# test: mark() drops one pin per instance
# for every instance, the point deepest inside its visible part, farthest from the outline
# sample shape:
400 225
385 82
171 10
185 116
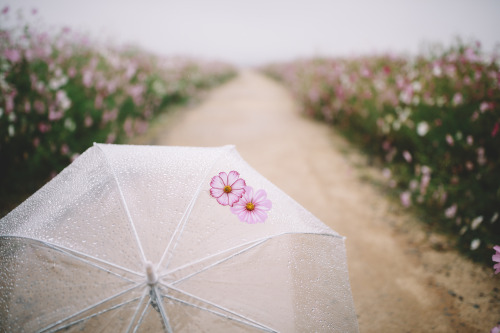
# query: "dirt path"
402 279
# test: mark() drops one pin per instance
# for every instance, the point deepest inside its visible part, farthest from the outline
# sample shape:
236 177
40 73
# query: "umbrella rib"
162 310
210 256
181 222
137 311
221 261
185 216
95 314
124 203
68 252
250 322
259 241
141 318
93 306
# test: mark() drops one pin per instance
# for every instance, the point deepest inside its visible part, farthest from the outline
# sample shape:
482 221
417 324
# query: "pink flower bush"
404 111
60 91
227 188
496 258
252 208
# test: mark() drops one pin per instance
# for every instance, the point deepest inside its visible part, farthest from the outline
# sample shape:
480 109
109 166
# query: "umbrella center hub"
151 275
250 206
227 189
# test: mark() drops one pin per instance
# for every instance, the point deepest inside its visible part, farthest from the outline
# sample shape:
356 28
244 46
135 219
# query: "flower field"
60 92
432 121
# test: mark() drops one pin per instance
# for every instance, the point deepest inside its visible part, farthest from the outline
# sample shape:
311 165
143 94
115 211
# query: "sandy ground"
403 278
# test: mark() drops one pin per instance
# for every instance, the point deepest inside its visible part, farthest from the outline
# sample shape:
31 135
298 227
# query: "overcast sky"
249 32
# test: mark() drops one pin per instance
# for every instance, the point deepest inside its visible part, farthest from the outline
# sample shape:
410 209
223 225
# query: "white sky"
253 32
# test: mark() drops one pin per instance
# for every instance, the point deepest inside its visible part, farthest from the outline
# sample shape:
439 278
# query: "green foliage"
59 94
433 120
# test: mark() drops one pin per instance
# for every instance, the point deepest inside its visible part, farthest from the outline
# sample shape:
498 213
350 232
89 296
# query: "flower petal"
260 195
260 215
251 218
238 209
265 205
238 192
232 198
243 216
217 182
239 184
223 176
248 194
216 192
223 199
232 177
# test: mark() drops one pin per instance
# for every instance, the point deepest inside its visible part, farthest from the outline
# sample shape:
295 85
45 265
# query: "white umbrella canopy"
130 239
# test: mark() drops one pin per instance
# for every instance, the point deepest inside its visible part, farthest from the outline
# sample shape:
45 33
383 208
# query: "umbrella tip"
151 276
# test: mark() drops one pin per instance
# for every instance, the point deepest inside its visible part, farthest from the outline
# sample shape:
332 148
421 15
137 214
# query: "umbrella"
144 239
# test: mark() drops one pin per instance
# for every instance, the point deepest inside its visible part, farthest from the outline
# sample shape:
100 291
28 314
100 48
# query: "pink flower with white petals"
252 208
496 258
495 130
227 188
407 156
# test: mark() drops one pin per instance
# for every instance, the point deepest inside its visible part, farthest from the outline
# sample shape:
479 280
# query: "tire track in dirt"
399 281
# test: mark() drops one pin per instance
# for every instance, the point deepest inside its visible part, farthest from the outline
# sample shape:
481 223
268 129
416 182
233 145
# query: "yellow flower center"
227 189
250 206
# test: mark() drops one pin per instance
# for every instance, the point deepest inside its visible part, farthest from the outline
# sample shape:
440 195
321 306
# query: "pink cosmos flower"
405 198
407 156
451 211
495 130
252 208
12 55
449 139
495 329
496 258
457 99
227 188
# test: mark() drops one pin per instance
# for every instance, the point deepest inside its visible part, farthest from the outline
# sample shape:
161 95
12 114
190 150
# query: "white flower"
396 125
422 128
476 222
63 100
436 70
407 156
451 211
417 86
457 99
475 244
69 124
405 198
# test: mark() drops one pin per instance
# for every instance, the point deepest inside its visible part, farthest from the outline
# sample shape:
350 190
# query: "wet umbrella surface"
131 239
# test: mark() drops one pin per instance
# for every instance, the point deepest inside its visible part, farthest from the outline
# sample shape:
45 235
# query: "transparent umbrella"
135 239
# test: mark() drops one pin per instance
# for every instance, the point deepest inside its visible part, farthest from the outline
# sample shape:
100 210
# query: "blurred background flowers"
60 91
431 121
415 84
